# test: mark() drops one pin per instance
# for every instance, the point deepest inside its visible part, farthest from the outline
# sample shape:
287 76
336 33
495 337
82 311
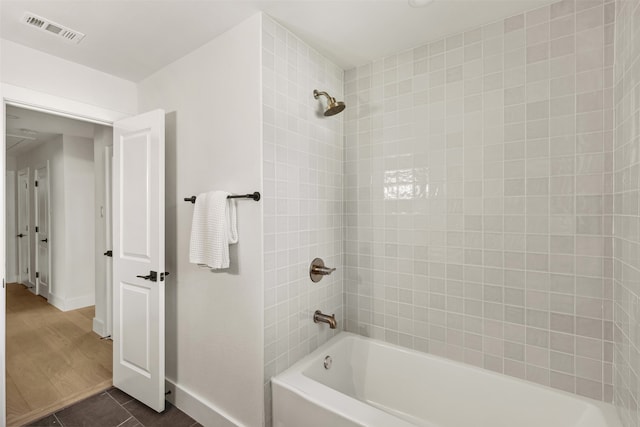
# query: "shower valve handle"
317 270
324 271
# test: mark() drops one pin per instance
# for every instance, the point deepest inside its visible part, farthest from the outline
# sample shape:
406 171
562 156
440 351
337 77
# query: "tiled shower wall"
478 197
303 193
626 225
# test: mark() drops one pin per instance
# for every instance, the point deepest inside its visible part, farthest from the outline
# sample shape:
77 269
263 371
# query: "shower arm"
317 93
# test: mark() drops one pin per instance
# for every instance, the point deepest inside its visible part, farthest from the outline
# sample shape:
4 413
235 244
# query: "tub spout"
318 316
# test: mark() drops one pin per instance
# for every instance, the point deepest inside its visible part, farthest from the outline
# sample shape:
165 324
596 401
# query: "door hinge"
37 275
37 228
36 184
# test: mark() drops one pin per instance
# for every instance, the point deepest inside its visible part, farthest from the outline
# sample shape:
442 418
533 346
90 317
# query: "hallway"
53 357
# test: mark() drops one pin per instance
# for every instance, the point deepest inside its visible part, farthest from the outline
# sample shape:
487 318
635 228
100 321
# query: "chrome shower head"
333 107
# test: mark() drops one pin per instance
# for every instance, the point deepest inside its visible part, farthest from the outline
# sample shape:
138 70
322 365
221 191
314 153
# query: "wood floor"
53 357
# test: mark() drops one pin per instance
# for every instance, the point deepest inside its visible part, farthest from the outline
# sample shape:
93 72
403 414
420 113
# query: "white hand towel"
213 228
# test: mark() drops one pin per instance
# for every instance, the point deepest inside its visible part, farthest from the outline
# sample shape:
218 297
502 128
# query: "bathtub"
375 384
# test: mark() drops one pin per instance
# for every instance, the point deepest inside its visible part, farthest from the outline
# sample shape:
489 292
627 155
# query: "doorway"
56 353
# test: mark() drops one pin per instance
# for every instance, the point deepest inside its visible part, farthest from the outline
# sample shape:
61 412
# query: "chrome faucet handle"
317 270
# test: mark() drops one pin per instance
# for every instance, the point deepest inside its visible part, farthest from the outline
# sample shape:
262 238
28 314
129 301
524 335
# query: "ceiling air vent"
51 27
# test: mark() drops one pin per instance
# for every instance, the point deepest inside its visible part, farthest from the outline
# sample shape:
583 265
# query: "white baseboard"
79 302
71 303
56 302
99 327
197 408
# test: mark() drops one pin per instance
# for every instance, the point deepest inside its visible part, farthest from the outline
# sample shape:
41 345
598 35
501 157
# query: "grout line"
125 409
126 421
121 404
58 419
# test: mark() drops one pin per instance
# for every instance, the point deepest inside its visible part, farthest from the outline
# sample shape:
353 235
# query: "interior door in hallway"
24 239
43 256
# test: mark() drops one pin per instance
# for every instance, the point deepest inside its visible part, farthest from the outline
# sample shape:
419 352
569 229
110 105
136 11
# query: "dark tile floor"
114 408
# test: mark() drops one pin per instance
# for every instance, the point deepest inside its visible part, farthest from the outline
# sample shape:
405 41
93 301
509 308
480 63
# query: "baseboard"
71 303
99 327
197 408
55 301
79 302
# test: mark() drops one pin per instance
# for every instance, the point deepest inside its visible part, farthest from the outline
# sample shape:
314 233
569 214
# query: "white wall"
29 68
79 201
214 321
103 137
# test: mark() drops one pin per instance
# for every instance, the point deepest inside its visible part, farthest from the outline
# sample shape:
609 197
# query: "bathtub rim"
294 376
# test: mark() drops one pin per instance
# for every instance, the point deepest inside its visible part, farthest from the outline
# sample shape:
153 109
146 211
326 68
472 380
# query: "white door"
108 168
138 257
43 255
24 240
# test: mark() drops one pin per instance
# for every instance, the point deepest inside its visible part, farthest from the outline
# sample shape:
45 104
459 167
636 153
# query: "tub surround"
302 189
627 191
478 197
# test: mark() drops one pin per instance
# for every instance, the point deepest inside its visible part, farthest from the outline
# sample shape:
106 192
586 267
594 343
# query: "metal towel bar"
255 196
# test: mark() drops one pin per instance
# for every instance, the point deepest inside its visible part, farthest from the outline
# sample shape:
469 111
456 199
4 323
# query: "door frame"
37 208
24 174
44 102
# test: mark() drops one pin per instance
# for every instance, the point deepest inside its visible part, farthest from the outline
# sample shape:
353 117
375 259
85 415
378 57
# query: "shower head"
333 107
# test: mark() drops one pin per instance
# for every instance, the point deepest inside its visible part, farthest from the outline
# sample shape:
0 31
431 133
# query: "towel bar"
255 196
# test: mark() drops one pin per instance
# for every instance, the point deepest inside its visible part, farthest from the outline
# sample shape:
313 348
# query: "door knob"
21 235
44 240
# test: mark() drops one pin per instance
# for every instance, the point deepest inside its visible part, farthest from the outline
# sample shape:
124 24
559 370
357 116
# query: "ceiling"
132 39
28 129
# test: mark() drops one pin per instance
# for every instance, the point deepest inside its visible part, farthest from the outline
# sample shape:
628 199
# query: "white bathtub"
375 384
